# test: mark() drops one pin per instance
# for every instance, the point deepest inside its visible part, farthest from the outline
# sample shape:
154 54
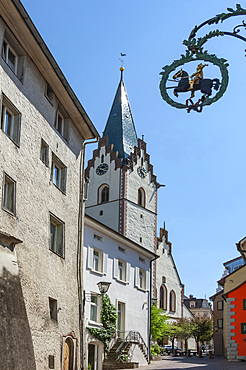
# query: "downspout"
80 250
150 302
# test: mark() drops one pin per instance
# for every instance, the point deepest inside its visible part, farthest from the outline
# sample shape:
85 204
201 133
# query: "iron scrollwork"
195 52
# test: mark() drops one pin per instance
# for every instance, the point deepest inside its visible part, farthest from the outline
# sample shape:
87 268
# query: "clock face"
102 169
142 172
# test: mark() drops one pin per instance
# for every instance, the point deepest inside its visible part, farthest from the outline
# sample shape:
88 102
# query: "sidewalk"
218 363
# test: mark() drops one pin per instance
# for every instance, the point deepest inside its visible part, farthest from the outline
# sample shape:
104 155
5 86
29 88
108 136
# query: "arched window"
103 194
172 301
102 158
163 297
141 197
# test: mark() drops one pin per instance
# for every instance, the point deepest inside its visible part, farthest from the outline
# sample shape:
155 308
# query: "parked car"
168 349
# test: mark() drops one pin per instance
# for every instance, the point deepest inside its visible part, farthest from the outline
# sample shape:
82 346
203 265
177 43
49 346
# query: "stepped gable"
108 149
164 238
137 154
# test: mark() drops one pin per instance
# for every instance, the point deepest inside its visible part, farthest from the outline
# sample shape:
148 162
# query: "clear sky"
200 157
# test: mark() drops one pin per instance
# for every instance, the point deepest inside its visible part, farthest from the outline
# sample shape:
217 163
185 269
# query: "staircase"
121 348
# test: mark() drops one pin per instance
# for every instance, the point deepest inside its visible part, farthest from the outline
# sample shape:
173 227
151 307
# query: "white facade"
170 290
40 174
106 252
123 211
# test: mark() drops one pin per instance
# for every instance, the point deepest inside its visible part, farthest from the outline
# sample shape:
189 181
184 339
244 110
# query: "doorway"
68 355
121 320
93 356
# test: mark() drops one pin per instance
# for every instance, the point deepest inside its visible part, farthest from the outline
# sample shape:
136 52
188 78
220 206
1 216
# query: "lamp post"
103 286
195 52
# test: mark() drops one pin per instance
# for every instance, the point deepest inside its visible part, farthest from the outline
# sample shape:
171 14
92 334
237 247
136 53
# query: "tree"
108 318
172 331
202 329
185 326
158 323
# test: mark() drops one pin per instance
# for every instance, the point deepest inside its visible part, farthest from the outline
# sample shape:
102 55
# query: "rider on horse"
198 75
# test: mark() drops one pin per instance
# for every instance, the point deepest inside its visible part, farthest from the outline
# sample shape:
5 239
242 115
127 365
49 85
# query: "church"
122 204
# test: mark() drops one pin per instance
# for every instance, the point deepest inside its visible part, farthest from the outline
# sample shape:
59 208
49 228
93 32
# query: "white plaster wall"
136 226
165 267
110 209
43 274
136 300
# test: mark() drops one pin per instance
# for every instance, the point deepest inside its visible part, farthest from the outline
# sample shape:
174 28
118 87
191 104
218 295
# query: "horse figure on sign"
197 82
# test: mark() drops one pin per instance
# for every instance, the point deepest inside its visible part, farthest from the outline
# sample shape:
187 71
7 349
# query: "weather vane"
122 59
196 82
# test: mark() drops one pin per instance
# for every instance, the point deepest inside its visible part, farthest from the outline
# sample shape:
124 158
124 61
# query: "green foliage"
155 350
108 318
158 320
202 329
89 367
123 357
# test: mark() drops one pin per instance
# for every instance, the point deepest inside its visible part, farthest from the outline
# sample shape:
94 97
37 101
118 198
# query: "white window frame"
59 168
13 120
95 305
141 278
102 260
125 270
7 182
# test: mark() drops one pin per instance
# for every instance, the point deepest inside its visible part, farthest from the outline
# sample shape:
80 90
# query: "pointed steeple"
120 127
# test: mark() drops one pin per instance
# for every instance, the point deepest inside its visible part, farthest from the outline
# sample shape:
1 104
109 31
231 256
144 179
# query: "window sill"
142 289
97 272
63 192
122 281
59 255
9 212
13 141
95 323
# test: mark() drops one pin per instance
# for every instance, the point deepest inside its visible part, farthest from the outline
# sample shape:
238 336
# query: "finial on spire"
122 62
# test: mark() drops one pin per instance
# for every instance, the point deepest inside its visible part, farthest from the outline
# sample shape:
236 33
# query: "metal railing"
132 337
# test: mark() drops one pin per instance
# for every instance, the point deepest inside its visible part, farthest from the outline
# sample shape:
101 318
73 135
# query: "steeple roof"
120 127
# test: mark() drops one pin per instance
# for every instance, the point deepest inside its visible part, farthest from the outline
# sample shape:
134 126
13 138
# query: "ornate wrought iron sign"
195 52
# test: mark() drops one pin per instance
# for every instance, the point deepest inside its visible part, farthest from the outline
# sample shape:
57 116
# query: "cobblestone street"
218 363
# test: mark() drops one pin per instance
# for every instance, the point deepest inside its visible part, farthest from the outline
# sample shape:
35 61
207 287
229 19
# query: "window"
53 308
192 304
163 279
49 93
122 270
44 152
220 305
9 186
141 259
95 311
10 56
220 323
172 302
121 249
163 297
56 236
97 260
141 197
51 362
10 120
105 194
59 125
101 213
142 279
59 173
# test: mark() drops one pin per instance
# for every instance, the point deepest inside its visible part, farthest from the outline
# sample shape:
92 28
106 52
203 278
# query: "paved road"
218 363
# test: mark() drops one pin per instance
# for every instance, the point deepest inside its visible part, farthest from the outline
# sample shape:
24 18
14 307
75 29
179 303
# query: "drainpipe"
80 251
150 302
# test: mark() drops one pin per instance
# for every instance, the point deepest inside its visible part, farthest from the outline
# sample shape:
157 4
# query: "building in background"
43 127
198 306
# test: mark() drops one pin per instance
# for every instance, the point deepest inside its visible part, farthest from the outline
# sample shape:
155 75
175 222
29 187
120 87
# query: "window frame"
61 169
220 323
222 305
95 307
172 301
6 47
44 152
122 270
15 122
54 240
53 309
141 197
163 297
60 130
4 197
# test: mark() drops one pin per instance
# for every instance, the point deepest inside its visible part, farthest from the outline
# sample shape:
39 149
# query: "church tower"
122 193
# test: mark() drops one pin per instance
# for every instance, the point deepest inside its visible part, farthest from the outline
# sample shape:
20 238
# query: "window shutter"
60 240
116 274
105 263
137 277
147 280
128 270
90 257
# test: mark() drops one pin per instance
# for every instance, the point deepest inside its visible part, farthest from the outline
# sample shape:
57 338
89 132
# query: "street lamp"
103 286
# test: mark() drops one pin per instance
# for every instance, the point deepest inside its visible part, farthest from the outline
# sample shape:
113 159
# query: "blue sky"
199 157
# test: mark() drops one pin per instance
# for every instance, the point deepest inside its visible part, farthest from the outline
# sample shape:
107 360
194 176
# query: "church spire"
120 127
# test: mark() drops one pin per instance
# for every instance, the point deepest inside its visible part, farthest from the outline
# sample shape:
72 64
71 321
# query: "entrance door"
121 320
68 355
93 356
